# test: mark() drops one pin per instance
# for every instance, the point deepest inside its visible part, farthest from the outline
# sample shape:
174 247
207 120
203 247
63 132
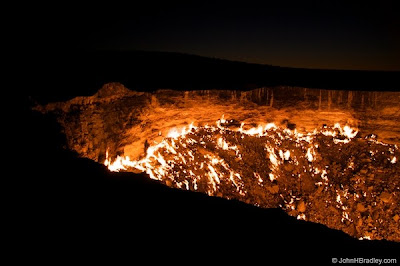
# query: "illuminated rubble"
324 176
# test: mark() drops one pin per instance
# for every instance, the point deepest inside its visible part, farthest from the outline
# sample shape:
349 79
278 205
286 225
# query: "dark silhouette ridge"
64 76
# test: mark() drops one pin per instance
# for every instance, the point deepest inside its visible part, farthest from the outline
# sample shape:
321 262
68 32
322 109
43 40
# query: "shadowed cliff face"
345 178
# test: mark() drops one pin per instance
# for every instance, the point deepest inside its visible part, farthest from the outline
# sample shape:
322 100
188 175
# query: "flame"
366 237
259 179
348 132
176 133
271 177
309 155
301 216
286 155
272 156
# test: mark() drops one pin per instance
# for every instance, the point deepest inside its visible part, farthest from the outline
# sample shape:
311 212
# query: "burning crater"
313 153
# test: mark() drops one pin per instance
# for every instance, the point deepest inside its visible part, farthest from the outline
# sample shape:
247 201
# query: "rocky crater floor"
329 157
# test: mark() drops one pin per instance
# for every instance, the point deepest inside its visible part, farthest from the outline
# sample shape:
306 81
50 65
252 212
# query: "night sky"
306 34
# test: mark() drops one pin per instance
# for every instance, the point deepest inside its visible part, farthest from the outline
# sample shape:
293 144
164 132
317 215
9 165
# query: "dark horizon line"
234 61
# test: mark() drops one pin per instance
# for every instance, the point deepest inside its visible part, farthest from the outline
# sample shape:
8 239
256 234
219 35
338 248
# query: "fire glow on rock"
334 175
315 176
